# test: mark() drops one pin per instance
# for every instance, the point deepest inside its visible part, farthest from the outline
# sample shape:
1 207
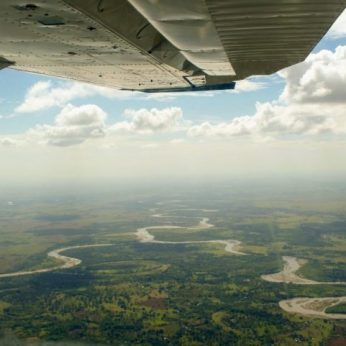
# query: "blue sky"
251 127
225 105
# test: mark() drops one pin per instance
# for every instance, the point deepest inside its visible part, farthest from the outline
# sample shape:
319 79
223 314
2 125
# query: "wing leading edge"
161 45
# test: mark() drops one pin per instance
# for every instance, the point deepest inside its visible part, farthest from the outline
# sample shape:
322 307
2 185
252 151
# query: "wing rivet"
31 7
27 7
99 6
51 21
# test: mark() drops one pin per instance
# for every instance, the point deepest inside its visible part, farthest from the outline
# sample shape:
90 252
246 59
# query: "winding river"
313 307
144 236
288 274
68 262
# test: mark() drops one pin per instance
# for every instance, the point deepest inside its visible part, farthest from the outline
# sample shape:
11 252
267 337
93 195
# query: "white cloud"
247 85
320 78
277 120
148 121
338 29
45 94
42 95
73 125
8 142
312 103
87 115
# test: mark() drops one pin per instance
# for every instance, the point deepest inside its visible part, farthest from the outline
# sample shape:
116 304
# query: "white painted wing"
161 45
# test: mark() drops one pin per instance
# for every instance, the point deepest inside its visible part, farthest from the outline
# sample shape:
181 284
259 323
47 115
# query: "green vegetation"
3 307
136 293
337 309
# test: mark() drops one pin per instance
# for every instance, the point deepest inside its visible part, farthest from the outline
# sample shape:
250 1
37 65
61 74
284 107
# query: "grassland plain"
135 293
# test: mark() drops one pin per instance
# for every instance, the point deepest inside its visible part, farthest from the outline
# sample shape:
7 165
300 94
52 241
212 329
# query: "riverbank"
288 274
313 307
68 262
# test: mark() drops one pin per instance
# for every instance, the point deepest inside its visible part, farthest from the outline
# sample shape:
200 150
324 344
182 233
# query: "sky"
288 124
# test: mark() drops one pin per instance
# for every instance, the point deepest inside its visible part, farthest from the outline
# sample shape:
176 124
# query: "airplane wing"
161 45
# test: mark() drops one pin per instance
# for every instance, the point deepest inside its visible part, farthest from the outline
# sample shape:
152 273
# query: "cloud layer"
148 121
321 78
45 94
313 103
73 125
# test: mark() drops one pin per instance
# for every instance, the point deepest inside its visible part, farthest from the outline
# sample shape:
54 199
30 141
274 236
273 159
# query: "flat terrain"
192 265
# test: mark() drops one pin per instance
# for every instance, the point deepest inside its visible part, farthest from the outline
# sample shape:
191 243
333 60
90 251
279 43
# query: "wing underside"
161 45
